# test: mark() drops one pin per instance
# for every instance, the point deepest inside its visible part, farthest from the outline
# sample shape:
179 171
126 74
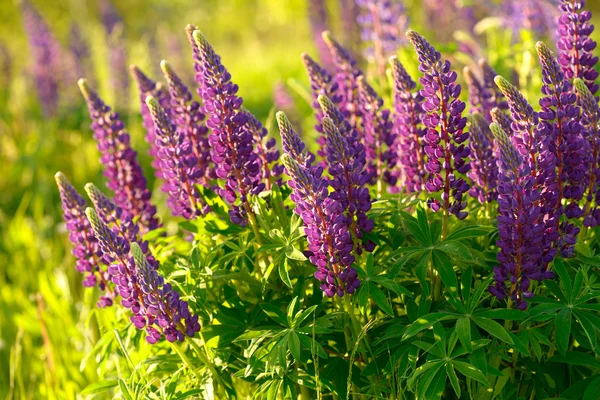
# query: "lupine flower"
321 83
85 245
114 26
159 311
502 119
317 15
382 22
524 122
483 173
148 87
479 97
291 143
265 149
497 97
189 118
563 155
378 138
590 122
521 229
445 147
46 65
284 101
346 73
178 164
121 167
231 142
538 16
408 130
575 44
325 228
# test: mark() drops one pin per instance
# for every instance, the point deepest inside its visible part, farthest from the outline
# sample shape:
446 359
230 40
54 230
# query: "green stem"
186 361
207 360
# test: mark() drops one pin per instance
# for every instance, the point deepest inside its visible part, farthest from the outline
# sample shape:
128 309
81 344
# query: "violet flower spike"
378 138
179 165
165 310
409 132
325 228
85 245
445 140
318 17
575 44
291 143
497 97
521 230
502 119
187 115
590 122
483 172
480 98
121 167
232 144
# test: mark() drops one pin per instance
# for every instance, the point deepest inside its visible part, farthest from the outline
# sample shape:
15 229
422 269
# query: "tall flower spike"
590 122
148 87
346 73
317 15
408 130
382 22
575 44
321 83
81 235
497 97
502 119
232 143
179 165
188 117
378 138
325 228
348 182
479 97
521 230
445 139
563 153
291 143
164 308
483 173
524 122
121 167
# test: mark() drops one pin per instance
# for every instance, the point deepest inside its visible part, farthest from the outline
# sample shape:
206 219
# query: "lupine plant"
421 242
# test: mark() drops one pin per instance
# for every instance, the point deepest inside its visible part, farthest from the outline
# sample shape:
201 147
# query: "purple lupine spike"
325 228
291 142
232 144
148 87
317 15
46 58
85 245
265 148
524 122
502 119
284 101
590 122
445 139
118 220
346 72
382 23
378 136
521 229
483 173
121 167
114 26
348 182
480 97
189 118
164 307
538 16
408 129
489 74
321 83
178 164
563 153
349 11
575 44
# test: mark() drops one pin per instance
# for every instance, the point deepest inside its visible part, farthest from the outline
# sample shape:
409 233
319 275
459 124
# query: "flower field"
300 199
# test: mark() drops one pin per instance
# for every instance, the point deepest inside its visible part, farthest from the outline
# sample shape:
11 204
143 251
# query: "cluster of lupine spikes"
547 173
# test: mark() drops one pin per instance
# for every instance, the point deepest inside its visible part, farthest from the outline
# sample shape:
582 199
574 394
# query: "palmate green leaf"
562 326
284 273
470 371
426 322
294 345
312 345
455 248
469 232
379 297
592 391
275 313
434 389
453 379
432 366
465 284
493 328
444 267
577 358
478 294
508 314
585 320
417 233
463 329
294 254
565 279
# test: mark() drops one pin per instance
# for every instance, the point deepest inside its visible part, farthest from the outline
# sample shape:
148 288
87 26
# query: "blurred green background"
48 323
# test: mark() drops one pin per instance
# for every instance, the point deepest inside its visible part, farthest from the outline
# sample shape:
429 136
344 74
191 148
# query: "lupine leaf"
562 325
493 328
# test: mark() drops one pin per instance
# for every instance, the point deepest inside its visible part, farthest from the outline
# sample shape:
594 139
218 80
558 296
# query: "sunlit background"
48 324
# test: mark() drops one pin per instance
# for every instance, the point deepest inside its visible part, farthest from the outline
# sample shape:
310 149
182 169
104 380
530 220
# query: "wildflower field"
299 199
